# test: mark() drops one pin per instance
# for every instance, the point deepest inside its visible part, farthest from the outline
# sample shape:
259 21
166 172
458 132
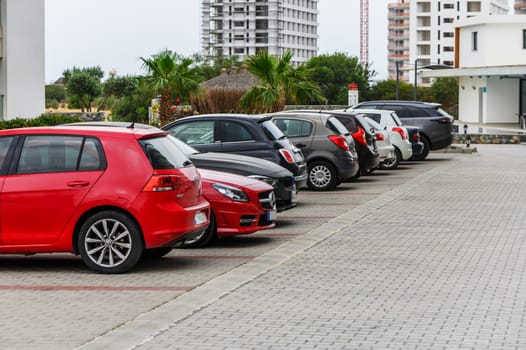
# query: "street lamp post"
415 84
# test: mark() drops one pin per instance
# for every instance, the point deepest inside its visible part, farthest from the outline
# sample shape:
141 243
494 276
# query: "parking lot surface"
428 256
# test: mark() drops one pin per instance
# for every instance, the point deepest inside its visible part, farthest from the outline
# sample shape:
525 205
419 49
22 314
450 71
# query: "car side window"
235 132
5 144
415 112
55 153
195 133
400 110
294 128
376 117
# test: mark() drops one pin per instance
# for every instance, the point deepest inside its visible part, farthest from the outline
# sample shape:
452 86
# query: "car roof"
90 130
258 118
402 102
371 110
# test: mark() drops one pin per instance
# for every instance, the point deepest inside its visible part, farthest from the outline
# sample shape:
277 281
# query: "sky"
114 34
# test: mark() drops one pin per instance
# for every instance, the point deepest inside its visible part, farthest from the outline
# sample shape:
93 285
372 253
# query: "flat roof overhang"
498 72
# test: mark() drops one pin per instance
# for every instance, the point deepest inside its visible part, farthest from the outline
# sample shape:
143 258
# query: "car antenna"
132 125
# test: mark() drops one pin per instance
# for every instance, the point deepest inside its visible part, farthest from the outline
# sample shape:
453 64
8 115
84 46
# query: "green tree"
207 69
386 90
83 85
172 76
335 72
445 92
118 87
279 83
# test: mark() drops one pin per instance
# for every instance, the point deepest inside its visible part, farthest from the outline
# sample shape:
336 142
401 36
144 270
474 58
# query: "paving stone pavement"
438 262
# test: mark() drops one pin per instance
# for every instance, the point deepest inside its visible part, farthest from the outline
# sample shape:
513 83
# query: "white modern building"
491 66
244 27
22 65
422 32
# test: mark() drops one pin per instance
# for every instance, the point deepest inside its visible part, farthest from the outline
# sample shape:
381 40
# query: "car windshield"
335 125
272 131
163 154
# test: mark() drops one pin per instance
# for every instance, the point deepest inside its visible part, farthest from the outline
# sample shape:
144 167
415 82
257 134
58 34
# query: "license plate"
293 196
271 215
200 218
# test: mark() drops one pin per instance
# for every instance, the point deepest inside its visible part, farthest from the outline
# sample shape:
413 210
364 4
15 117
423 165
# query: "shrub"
43 120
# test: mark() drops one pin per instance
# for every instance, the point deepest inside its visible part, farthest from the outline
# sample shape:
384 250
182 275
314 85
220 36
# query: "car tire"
425 151
391 164
204 238
156 253
322 176
110 242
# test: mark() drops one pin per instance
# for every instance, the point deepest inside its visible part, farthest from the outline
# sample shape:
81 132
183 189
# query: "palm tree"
279 83
172 76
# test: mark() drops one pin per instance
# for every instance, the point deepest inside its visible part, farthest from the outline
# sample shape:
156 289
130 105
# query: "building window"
449 6
448 20
524 38
474 41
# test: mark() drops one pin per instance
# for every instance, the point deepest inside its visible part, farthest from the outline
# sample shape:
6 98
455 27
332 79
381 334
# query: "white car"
398 133
385 148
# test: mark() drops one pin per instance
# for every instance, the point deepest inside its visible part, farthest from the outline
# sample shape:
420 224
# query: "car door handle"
77 184
301 145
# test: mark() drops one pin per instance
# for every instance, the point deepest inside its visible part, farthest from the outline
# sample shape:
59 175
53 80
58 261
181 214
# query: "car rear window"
335 125
163 153
272 131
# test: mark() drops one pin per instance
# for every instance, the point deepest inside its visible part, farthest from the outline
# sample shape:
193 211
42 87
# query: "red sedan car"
239 205
71 189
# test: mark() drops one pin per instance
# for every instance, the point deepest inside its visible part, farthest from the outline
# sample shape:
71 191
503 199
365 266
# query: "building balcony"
398 57
398 25
399 5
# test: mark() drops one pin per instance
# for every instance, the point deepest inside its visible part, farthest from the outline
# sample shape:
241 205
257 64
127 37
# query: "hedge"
43 120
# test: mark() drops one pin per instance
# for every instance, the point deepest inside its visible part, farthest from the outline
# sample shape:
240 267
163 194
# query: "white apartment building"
491 71
22 62
244 27
422 32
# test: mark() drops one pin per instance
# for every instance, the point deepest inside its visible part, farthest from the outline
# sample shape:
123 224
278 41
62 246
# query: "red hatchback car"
239 205
108 194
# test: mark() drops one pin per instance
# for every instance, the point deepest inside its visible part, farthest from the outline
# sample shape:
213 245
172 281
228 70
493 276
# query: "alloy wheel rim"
320 176
108 243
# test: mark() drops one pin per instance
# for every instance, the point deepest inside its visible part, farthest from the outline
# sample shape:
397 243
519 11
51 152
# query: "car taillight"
165 182
401 132
340 142
379 136
360 136
443 120
286 155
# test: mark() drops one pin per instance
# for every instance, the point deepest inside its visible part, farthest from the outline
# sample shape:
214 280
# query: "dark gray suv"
326 143
436 126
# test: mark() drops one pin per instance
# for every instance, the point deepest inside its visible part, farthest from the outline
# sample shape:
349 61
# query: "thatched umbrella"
222 93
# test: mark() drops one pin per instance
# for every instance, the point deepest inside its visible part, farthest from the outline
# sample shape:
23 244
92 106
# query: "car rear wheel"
425 151
390 164
322 176
110 242
203 238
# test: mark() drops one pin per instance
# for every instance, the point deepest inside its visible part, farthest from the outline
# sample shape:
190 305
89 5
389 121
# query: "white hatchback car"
383 143
398 133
